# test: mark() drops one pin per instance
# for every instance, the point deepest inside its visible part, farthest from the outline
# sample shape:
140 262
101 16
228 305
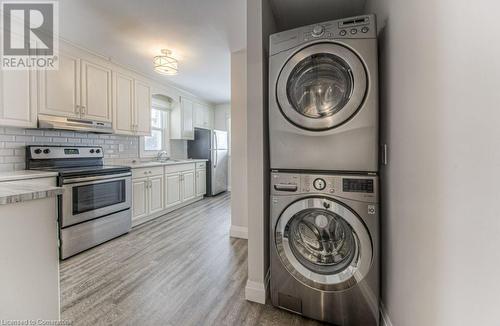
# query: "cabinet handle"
82 109
77 109
145 172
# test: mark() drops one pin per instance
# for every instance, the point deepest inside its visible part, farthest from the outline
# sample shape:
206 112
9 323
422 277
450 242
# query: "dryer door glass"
323 244
321 240
320 85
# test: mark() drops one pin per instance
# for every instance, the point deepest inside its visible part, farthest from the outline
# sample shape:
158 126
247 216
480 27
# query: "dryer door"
321 86
323 244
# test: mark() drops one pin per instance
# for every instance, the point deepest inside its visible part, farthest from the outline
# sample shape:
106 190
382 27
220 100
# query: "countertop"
20 191
138 164
25 175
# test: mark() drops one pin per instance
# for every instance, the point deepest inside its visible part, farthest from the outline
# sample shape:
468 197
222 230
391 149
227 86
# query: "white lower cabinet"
147 193
201 179
158 190
173 189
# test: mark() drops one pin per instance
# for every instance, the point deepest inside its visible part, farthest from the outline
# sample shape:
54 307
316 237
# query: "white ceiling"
294 13
201 34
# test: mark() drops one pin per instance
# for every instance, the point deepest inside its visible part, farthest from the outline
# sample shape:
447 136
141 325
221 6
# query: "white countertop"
146 164
19 191
25 175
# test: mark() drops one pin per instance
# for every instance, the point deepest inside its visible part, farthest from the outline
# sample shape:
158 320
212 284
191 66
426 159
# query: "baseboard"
384 317
256 291
240 232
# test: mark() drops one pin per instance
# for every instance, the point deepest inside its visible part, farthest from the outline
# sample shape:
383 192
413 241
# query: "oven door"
87 198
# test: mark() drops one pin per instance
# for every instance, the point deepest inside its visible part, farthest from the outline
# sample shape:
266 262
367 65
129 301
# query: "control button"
354 31
332 190
308 189
91 151
97 151
318 31
319 184
46 151
343 32
38 151
365 29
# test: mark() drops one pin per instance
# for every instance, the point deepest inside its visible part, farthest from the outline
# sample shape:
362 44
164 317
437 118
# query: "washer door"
321 86
323 244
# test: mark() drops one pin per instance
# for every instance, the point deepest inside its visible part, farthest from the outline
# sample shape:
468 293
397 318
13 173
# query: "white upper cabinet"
96 92
18 98
181 120
203 116
142 108
59 90
123 104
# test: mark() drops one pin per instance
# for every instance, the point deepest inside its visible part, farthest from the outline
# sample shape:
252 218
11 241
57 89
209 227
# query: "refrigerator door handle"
216 161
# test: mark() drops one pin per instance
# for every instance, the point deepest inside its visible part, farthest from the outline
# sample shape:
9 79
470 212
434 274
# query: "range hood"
75 124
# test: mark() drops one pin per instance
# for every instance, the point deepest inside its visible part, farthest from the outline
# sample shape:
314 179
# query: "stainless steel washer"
323 97
324 246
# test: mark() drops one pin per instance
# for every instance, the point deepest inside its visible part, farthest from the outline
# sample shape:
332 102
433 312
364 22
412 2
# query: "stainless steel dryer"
324 246
323 96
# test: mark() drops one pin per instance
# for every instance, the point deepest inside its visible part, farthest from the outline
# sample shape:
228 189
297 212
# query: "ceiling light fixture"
165 64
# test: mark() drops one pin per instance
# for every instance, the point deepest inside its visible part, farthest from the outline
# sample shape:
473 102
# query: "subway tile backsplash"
14 140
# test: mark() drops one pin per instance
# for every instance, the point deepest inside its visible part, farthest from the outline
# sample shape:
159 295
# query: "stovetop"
87 170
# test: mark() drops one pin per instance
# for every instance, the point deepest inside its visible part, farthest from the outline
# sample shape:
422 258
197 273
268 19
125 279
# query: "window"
160 138
156 142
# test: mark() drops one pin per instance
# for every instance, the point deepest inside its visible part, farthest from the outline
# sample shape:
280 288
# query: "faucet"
162 156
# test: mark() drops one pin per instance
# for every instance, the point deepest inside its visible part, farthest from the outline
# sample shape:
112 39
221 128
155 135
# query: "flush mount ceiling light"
165 64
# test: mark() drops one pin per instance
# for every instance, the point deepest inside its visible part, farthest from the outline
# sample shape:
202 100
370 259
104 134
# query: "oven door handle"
96 178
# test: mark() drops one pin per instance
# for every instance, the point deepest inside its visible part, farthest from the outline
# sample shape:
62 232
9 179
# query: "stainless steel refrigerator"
212 145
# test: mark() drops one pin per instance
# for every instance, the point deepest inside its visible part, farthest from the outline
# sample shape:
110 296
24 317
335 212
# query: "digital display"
357 185
71 151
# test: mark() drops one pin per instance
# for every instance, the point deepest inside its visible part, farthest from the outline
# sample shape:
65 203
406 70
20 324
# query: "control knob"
319 184
38 151
97 151
91 151
46 151
318 30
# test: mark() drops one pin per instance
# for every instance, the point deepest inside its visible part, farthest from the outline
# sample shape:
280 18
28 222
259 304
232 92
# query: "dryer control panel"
350 186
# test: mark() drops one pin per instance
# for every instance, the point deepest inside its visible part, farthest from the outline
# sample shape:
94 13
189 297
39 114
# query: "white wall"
222 113
239 206
260 24
440 95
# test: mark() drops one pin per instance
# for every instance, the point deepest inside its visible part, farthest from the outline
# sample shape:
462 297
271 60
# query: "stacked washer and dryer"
323 132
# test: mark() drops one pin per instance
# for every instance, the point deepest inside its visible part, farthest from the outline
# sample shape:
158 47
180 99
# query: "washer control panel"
349 186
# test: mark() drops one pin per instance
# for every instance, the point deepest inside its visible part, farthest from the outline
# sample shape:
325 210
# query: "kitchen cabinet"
96 92
188 185
123 104
142 94
18 98
181 120
59 90
173 189
79 88
203 116
147 192
201 179
131 105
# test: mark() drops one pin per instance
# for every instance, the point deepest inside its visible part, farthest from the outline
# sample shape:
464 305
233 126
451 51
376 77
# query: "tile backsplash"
14 140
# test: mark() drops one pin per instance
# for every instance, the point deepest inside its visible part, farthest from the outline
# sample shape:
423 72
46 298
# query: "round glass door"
321 86
323 244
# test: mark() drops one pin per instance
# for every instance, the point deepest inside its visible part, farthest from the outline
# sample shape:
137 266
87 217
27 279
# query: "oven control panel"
64 152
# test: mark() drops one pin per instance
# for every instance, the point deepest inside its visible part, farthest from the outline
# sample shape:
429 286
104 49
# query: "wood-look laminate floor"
179 269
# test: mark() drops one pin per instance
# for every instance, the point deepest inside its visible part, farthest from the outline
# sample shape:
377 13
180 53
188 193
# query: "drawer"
147 172
179 167
201 165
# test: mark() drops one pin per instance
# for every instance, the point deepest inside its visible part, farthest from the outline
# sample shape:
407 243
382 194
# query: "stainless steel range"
95 206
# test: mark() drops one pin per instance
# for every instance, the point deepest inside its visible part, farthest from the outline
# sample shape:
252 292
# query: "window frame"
143 152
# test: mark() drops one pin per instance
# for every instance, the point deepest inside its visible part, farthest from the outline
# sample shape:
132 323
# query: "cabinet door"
139 198
198 115
96 92
188 185
155 194
187 119
18 98
59 90
142 108
123 104
201 182
172 189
